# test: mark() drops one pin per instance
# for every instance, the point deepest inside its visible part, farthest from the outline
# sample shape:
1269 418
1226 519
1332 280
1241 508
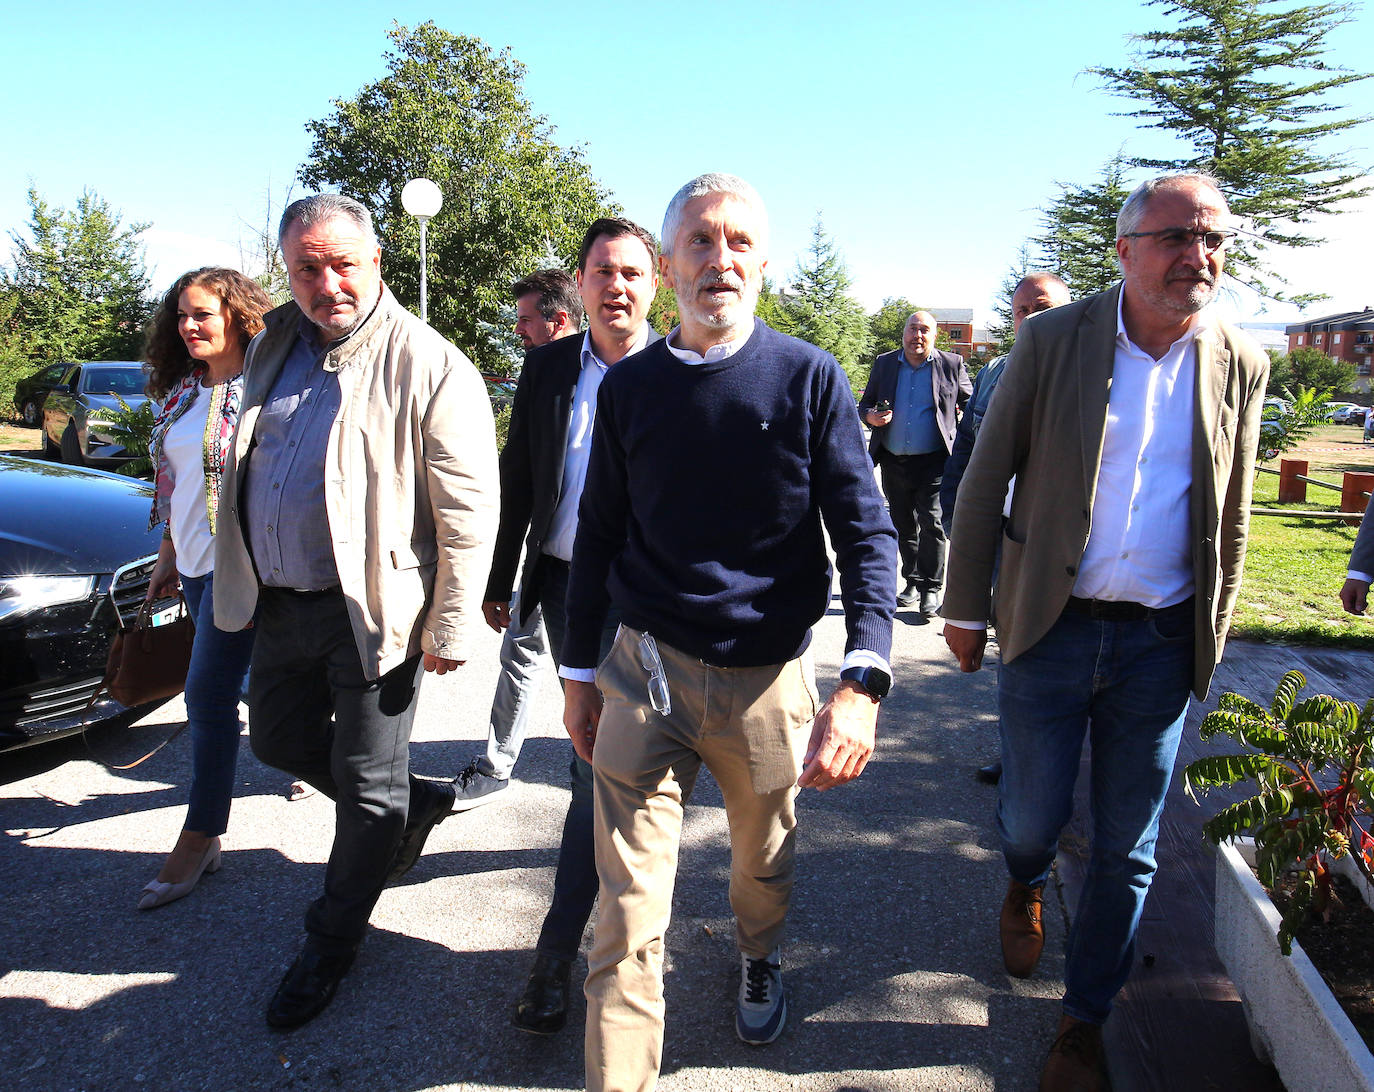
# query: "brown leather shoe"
1075 1063
1023 931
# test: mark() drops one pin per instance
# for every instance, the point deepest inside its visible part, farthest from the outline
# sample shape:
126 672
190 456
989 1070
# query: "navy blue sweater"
701 517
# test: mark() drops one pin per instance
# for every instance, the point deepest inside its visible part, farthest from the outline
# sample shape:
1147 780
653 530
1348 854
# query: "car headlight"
21 595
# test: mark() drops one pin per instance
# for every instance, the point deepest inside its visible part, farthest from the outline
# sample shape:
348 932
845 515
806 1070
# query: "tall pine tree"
1245 86
818 307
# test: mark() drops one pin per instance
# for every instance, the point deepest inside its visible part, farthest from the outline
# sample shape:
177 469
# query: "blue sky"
928 136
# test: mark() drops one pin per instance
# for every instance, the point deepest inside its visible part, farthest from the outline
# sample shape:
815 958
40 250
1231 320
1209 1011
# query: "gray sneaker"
474 788
762 1008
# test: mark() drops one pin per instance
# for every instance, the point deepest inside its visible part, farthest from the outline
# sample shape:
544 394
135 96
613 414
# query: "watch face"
877 682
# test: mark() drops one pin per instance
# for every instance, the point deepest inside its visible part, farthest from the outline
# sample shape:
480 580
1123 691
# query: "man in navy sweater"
718 455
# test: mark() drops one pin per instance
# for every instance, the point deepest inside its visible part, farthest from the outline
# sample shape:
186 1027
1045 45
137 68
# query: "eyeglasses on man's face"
1178 238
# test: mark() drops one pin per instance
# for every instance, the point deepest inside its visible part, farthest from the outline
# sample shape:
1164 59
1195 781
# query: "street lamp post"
422 199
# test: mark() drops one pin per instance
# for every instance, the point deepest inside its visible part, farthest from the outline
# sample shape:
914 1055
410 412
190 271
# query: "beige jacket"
413 493
1046 425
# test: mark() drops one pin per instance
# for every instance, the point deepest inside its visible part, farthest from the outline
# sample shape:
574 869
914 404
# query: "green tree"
1309 367
453 110
1002 330
770 308
1077 236
819 308
78 281
1244 85
886 324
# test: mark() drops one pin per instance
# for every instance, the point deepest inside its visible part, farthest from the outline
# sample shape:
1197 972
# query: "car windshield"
113 380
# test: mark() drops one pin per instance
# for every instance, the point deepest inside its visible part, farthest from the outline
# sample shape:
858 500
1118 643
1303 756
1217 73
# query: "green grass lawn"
1294 568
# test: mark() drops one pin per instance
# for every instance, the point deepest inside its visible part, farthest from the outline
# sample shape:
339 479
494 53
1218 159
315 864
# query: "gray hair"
1133 211
320 209
700 186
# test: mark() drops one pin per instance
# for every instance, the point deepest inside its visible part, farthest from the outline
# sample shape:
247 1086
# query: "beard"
720 312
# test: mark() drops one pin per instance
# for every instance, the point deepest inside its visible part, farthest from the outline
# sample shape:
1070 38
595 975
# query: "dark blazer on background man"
949 379
532 464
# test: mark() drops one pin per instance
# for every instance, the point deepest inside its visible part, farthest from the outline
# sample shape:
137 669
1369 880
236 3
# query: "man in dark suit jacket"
1355 592
543 468
910 403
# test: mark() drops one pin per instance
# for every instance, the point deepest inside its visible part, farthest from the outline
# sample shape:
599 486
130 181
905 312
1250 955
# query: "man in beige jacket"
1130 420
359 506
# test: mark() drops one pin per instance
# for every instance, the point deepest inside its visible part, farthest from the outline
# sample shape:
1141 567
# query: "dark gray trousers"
912 486
314 714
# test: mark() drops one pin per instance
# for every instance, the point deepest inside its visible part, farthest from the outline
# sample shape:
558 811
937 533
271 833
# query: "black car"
32 391
76 412
76 555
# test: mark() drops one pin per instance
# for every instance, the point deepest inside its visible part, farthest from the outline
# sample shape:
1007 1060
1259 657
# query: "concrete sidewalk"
891 959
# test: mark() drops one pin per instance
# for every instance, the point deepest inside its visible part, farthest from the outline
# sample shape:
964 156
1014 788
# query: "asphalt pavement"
891 958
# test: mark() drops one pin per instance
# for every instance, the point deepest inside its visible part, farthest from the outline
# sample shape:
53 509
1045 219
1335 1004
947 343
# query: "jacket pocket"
412 555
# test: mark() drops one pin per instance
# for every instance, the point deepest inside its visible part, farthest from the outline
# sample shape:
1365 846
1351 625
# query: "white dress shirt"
1139 547
563 526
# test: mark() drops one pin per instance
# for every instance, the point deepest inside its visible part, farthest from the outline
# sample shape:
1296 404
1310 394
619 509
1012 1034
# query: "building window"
1300 339
1336 339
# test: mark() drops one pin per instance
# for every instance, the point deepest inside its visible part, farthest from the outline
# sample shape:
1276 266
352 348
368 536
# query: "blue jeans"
214 682
1126 685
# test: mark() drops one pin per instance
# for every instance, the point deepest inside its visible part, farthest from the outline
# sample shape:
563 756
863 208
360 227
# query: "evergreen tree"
1077 236
820 309
453 110
1223 81
77 286
1002 330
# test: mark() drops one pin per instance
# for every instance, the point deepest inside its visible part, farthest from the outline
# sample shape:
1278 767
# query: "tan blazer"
1045 426
412 491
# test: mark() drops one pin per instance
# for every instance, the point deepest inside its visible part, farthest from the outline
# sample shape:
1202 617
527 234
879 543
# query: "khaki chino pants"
750 726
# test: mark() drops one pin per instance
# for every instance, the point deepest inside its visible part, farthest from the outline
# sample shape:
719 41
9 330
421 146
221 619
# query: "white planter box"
1294 1021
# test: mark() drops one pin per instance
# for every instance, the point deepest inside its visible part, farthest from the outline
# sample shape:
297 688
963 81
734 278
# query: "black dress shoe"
433 811
308 985
909 595
544 1007
990 774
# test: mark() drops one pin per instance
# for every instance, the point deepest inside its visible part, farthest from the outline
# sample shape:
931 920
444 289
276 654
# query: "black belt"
304 593
1113 610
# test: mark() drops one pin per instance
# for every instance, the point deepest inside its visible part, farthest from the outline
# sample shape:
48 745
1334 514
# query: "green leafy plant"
133 429
1310 763
1282 429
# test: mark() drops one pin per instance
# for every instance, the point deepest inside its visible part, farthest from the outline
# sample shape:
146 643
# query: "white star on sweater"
763 425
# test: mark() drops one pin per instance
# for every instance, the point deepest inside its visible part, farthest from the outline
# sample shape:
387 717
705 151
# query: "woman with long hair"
195 354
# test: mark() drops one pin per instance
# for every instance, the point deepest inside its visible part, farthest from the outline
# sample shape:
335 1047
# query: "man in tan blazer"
1130 420
359 506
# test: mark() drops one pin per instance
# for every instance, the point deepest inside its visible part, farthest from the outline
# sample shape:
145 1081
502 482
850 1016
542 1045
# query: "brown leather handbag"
148 662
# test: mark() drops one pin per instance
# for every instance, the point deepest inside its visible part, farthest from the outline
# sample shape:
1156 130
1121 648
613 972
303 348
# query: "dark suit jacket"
532 464
1046 425
948 377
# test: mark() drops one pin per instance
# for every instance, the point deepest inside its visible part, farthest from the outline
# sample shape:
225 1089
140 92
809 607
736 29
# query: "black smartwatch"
873 681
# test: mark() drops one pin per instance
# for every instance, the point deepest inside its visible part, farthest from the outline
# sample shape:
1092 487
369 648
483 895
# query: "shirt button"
1124 555
1144 459
269 529
276 485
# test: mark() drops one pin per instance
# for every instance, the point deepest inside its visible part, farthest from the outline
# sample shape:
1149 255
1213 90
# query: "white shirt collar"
589 354
1202 323
715 352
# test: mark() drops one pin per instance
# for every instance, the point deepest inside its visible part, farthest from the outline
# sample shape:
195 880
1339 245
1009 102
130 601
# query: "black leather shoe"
438 808
990 774
308 985
544 1007
909 595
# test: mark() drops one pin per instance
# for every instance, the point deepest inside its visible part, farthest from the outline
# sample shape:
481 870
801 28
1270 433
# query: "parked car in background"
501 391
1347 413
75 413
76 554
32 391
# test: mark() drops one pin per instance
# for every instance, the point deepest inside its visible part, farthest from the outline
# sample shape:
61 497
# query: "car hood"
65 519
97 402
